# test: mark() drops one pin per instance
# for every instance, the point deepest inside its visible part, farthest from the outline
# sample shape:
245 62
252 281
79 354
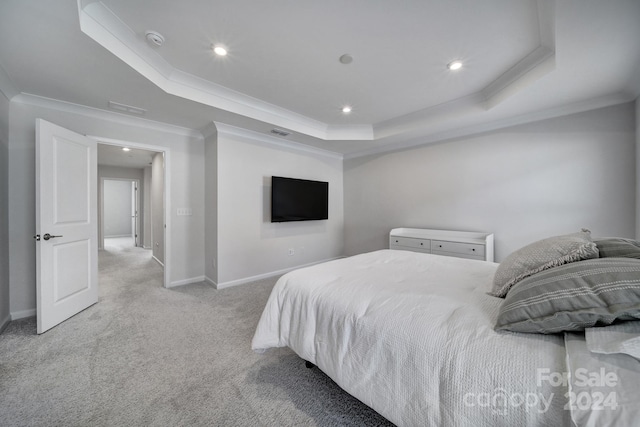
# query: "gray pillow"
541 255
573 297
617 247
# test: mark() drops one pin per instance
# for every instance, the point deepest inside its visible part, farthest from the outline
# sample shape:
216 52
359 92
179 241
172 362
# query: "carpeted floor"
150 356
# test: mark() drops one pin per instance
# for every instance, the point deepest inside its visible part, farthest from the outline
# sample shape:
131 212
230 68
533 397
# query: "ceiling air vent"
127 108
280 132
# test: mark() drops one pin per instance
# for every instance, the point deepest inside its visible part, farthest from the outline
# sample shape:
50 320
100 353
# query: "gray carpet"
145 355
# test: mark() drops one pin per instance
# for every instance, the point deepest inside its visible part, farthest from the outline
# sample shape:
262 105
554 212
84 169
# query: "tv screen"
298 199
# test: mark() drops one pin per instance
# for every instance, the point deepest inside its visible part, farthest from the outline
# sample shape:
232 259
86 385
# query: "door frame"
101 208
166 196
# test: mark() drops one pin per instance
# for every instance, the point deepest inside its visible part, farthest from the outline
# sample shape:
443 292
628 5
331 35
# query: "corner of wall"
211 205
5 308
638 168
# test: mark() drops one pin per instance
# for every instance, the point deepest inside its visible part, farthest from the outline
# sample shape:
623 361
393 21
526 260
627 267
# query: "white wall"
120 172
187 166
4 212
157 206
211 206
146 208
521 183
117 208
638 168
249 245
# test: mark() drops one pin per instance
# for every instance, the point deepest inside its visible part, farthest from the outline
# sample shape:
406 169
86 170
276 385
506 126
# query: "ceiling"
113 155
522 61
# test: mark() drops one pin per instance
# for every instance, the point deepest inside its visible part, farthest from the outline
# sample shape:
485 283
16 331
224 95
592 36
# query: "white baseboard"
15 315
158 261
265 275
146 247
4 323
189 281
118 236
210 281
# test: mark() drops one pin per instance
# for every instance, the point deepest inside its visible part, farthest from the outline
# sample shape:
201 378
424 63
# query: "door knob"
49 236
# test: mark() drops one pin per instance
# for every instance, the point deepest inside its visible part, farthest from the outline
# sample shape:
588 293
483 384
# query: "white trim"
536 116
5 323
197 279
103 26
250 279
532 67
251 136
15 315
159 262
209 130
7 88
210 281
167 195
96 113
118 236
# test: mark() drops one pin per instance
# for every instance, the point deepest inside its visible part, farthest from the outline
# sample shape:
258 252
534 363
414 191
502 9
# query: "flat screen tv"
298 199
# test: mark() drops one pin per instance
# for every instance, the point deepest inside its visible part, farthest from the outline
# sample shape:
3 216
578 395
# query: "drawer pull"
421 243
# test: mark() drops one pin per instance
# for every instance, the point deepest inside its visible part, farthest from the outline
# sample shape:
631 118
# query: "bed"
412 336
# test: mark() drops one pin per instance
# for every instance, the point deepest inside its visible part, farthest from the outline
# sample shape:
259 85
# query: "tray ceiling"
521 61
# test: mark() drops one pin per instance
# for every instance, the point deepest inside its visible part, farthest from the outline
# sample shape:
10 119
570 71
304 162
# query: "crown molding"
209 130
104 27
7 88
96 113
532 67
551 113
255 137
538 63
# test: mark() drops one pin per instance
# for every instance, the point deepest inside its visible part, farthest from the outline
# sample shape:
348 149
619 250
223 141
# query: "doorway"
121 209
133 200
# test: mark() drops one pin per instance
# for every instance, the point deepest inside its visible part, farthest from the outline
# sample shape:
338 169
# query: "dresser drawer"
408 242
470 249
457 255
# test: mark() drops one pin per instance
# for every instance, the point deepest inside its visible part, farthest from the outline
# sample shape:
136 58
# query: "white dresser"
461 244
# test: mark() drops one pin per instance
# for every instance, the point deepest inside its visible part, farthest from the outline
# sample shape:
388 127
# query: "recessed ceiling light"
126 149
454 65
346 59
220 50
346 109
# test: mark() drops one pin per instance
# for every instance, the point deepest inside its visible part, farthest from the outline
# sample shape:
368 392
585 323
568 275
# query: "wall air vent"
127 108
280 132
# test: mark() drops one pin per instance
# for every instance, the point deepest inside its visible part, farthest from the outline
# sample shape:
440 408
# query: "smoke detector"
154 38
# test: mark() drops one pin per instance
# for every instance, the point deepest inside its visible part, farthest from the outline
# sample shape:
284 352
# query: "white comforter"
411 335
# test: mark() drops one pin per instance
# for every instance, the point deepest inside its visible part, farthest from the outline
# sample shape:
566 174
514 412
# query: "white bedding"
411 335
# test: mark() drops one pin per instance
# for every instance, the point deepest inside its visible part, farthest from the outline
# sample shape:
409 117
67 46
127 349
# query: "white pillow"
542 255
619 338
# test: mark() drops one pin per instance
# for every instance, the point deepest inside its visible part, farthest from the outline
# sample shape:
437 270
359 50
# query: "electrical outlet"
291 251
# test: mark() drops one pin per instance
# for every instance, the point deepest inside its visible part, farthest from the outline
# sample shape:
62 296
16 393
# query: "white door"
66 224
